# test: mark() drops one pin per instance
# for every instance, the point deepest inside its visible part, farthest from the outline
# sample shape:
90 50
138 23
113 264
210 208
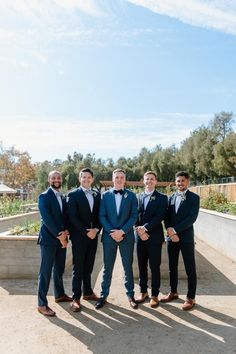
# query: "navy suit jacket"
183 220
80 217
153 215
126 218
53 220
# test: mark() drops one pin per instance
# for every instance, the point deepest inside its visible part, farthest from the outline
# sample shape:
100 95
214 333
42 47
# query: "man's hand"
144 236
63 238
171 233
175 238
91 233
117 235
140 231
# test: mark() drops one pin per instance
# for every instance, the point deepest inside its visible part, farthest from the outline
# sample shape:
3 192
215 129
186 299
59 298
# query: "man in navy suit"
182 213
84 226
152 207
118 214
53 238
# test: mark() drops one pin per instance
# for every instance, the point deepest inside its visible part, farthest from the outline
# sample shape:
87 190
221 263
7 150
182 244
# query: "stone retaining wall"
21 219
20 257
218 230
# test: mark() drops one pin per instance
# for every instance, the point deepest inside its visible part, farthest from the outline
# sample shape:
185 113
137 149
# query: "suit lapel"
55 201
84 199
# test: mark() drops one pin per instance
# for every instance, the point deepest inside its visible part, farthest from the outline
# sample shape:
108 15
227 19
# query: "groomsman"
182 213
84 226
118 214
53 238
152 207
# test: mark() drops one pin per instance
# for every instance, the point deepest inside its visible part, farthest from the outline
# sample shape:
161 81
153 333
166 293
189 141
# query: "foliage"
28 229
218 202
9 206
17 171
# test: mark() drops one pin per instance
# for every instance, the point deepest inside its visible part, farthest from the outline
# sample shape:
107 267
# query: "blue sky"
109 77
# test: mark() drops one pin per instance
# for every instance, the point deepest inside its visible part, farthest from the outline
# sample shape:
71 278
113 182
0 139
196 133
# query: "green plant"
28 229
217 201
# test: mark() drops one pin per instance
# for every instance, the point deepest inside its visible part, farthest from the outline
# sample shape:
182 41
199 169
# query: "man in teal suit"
118 214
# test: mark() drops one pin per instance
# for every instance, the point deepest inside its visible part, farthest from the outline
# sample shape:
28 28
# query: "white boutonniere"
125 195
153 197
67 199
94 193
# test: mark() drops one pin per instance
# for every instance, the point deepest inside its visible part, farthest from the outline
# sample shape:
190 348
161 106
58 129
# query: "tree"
221 125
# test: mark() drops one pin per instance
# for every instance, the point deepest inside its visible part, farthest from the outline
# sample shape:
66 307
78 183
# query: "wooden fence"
228 189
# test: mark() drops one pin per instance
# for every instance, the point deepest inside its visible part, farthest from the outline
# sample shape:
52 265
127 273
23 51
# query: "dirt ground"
118 329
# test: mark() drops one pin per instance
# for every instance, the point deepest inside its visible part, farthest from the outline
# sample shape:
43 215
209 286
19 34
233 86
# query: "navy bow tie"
118 191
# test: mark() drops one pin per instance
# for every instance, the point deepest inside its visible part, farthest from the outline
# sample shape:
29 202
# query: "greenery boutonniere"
153 197
125 195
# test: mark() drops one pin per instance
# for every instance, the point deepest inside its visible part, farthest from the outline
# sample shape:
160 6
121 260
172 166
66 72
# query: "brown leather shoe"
92 297
133 303
154 302
169 297
141 298
75 306
46 311
188 304
64 298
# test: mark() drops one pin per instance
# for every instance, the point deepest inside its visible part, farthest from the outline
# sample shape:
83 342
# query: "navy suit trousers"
147 251
52 259
109 257
187 250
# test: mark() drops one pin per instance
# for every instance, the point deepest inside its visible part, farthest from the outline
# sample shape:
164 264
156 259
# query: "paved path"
117 329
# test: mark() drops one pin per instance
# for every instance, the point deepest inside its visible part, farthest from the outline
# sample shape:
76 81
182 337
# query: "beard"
55 185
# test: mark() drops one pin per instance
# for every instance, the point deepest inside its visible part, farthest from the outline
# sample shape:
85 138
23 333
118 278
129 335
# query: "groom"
118 214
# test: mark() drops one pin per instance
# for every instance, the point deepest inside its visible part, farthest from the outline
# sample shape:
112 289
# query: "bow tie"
145 194
118 191
88 191
180 194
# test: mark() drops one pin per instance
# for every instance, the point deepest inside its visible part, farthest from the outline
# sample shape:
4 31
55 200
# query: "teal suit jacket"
126 218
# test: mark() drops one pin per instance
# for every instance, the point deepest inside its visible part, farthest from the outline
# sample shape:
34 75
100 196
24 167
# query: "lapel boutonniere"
125 195
153 197
94 194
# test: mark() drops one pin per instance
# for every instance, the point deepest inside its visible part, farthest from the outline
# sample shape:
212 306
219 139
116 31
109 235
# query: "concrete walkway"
117 329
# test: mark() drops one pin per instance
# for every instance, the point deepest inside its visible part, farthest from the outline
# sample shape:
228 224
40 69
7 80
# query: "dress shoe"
188 304
133 303
154 302
75 306
100 303
169 297
46 311
64 298
92 297
141 298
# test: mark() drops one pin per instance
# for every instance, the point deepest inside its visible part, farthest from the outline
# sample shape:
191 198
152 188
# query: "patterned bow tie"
118 191
88 191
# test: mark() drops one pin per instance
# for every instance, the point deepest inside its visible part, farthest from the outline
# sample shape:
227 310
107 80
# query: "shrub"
217 201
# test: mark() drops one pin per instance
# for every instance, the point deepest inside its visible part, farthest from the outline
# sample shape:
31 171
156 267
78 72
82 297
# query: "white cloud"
220 15
50 139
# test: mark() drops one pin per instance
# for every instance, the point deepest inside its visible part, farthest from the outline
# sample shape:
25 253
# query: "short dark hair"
118 170
86 169
150 173
182 174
